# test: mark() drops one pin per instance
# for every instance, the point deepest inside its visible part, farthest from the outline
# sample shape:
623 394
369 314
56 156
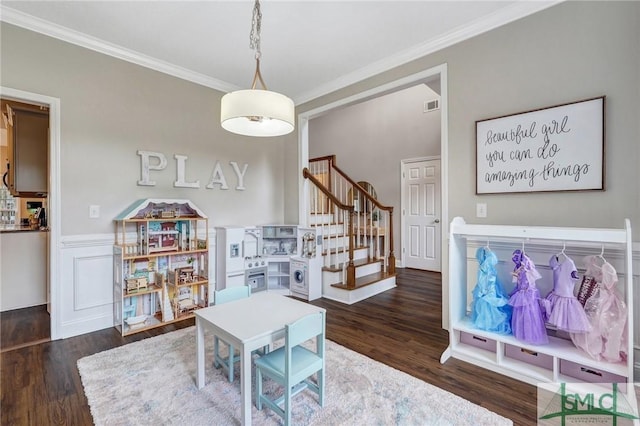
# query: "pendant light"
257 111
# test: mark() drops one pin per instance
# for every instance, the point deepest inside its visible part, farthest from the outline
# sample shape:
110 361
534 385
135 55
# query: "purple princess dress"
562 308
527 319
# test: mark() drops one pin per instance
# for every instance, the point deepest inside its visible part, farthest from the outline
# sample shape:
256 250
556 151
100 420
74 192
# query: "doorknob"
437 221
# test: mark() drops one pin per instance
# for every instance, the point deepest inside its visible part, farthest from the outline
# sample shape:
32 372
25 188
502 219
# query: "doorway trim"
411 80
53 198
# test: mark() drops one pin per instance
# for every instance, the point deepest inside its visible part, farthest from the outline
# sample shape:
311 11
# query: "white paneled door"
421 210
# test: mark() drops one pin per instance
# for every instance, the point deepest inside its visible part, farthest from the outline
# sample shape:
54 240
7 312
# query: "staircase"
358 257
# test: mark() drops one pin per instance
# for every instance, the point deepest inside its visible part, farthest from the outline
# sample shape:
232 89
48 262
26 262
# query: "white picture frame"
558 148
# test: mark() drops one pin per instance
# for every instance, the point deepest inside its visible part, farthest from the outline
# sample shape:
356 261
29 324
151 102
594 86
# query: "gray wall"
569 52
111 108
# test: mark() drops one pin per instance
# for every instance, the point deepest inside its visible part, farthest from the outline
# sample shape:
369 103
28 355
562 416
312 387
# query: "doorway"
437 72
23 208
53 200
421 218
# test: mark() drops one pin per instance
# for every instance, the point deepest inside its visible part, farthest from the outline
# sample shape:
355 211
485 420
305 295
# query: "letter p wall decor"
559 148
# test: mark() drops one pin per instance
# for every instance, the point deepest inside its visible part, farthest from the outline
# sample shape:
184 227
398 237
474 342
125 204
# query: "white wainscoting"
540 254
86 284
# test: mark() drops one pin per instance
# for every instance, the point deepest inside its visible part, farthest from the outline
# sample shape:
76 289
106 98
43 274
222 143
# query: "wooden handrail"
330 159
351 268
392 255
364 192
307 174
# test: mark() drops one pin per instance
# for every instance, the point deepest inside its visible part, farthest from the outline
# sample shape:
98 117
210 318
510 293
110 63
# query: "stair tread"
356 262
366 280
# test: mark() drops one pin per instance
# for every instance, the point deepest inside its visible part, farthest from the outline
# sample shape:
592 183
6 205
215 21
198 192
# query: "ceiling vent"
431 105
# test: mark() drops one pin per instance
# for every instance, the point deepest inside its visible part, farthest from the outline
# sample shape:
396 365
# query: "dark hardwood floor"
24 327
40 384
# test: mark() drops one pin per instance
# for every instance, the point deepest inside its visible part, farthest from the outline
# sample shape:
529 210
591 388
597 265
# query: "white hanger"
601 256
562 253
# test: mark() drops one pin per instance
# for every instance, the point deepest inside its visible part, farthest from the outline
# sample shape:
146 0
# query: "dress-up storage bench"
559 360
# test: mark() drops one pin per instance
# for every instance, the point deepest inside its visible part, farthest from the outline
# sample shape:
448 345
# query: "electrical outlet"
94 211
481 210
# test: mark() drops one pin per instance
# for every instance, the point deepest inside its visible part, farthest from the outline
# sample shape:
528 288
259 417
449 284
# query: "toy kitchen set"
283 258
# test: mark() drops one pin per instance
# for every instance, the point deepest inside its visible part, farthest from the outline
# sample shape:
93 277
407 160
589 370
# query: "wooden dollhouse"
161 263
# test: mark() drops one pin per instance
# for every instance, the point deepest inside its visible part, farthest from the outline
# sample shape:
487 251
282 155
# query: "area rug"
153 382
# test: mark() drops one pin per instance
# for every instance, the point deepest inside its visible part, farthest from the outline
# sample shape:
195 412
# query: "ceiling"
309 48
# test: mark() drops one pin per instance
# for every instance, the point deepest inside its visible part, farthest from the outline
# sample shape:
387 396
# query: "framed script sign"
560 148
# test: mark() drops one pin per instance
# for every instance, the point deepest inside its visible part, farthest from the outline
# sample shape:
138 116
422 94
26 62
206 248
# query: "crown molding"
29 22
502 17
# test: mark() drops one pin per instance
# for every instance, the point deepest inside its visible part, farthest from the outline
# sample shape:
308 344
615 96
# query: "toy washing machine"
306 277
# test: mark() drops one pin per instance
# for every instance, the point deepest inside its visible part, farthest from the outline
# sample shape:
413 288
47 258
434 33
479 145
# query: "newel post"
392 256
351 268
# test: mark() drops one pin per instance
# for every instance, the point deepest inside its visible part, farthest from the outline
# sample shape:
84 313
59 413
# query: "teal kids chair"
223 296
293 365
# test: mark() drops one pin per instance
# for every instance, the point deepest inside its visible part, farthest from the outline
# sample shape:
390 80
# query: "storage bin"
530 357
591 374
478 341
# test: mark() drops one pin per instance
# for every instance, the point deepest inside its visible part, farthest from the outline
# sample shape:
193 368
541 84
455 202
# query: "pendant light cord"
254 43
256 26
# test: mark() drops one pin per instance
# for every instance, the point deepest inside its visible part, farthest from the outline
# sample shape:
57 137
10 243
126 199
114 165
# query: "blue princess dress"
490 310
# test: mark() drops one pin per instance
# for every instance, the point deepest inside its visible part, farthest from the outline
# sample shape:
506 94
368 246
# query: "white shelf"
557 347
520 233
278 274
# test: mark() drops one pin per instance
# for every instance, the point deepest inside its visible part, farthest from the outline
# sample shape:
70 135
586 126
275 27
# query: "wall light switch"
94 211
481 210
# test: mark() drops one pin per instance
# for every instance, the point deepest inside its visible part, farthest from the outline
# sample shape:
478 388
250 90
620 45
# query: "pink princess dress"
607 313
562 308
527 319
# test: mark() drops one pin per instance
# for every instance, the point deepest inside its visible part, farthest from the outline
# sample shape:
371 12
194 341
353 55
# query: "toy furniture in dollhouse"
162 237
160 264
185 283
184 303
136 283
184 275
559 360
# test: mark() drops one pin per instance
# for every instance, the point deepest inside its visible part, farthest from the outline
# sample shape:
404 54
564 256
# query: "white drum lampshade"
257 112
